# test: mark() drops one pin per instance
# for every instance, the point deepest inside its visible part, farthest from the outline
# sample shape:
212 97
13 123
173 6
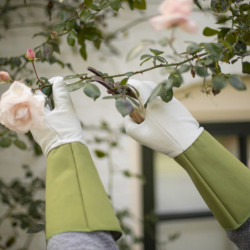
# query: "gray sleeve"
241 236
82 241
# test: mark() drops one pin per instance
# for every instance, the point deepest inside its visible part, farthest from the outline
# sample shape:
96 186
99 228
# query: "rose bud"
4 76
53 35
30 55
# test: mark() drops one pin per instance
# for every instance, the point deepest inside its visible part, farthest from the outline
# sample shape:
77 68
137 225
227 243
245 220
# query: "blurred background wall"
174 190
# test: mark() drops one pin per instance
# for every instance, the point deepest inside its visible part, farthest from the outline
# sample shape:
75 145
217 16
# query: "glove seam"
79 185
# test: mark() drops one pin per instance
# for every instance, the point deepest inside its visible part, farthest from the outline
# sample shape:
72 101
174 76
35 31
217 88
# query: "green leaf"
124 81
133 101
246 37
20 144
115 4
85 15
244 7
160 59
223 32
201 71
222 19
47 90
236 82
88 2
175 79
231 37
10 241
111 97
156 52
193 48
71 40
209 31
246 67
198 4
129 74
3 61
147 59
123 106
36 229
83 52
219 81
140 4
184 68
75 86
100 153
214 49
15 61
145 56
92 91
5 142
221 6
156 92
240 47
166 95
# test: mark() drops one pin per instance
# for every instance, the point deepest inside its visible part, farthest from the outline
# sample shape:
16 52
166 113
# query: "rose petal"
189 26
170 7
164 22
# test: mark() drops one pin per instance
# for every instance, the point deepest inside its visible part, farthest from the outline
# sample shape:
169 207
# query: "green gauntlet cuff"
222 180
75 197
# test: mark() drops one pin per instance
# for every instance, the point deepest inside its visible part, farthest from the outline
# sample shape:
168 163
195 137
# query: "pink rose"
20 110
30 55
4 76
174 13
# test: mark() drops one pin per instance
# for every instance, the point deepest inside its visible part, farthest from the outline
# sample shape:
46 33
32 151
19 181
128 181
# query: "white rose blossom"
20 109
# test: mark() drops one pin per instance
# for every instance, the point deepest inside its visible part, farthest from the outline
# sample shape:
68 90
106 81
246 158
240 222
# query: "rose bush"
174 13
20 110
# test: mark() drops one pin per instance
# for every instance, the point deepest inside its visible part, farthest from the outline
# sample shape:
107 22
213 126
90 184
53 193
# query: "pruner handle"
136 117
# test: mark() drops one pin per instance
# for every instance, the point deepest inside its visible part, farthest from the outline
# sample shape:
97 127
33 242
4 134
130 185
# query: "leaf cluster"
23 210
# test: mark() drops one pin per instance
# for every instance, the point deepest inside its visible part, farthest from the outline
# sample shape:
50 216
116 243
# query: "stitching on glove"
78 183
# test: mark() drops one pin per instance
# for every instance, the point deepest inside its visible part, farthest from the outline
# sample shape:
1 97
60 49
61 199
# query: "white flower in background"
174 13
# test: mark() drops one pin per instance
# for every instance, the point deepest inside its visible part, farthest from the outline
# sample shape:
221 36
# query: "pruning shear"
114 90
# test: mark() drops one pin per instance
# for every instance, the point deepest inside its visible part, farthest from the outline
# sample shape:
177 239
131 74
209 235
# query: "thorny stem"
147 69
153 67
33 64
171 40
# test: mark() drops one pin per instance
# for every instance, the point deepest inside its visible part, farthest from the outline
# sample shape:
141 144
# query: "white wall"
127 191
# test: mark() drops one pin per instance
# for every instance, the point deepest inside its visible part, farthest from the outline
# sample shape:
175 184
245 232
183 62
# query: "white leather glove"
168 128
61 125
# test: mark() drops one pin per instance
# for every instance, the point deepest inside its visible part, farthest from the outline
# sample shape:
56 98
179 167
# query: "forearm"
222 180
76 200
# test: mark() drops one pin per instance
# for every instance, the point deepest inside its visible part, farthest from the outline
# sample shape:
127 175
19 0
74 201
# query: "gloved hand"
76 200
168 128
222 180
61 125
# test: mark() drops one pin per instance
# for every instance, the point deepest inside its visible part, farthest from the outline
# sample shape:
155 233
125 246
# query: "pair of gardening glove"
75 197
